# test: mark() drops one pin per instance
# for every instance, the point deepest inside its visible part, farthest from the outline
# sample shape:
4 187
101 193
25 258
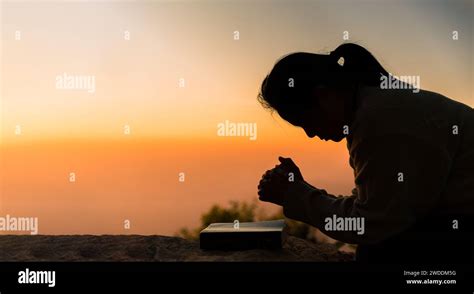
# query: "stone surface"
151 248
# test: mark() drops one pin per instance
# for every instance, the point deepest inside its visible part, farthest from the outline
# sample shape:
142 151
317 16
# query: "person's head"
315 91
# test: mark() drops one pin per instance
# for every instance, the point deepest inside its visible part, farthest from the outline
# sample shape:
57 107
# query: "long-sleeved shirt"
412 156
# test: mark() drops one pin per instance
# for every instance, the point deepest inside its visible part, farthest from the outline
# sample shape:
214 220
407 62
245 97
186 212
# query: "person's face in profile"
325 115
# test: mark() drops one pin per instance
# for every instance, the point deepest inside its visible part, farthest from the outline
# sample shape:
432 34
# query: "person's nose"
309 133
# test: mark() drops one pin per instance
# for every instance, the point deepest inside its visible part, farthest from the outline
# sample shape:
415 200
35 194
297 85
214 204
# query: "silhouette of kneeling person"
412 153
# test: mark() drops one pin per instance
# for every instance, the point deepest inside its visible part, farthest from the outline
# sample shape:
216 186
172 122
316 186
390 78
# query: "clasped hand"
273 186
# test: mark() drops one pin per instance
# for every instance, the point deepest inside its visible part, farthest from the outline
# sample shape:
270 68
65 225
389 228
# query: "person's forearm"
312 206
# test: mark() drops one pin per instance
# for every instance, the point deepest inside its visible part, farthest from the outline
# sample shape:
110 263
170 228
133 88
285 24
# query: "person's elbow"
357 227
379 230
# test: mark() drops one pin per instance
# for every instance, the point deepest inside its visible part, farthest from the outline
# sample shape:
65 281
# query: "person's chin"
329 138
335 139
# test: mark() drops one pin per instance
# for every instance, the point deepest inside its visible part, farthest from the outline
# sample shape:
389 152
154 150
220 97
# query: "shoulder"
400 113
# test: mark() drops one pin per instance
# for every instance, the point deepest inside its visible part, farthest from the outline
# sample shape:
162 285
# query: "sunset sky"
173 129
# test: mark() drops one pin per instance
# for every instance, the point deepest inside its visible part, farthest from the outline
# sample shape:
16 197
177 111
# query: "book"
243 236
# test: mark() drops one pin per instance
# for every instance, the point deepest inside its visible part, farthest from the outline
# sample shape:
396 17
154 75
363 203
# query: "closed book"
243 236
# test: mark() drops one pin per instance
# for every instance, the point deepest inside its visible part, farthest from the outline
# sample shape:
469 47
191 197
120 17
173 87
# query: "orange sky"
139 180
173 129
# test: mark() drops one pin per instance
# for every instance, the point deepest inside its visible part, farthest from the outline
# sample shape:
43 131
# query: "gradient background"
174 129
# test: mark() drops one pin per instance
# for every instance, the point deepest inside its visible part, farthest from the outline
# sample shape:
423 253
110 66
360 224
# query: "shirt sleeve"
399 179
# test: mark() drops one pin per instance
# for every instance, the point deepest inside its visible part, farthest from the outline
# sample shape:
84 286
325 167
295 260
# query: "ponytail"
346 66
357 64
